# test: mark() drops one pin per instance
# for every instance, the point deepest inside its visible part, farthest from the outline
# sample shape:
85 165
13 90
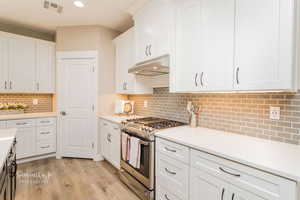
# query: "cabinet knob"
63 113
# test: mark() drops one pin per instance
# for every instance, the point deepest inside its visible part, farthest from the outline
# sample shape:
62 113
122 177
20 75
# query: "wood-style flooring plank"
70 179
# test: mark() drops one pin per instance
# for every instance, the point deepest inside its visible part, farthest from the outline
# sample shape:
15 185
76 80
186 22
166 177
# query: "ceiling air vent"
52 6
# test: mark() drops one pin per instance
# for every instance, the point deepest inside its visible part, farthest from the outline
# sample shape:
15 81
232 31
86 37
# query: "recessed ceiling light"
78 4
155 68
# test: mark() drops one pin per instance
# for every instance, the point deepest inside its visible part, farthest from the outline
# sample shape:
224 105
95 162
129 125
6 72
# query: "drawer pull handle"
45 133
166 196
170 172
46 147
223 170
171 150
45 122
116 128
233 195
24 123
222 196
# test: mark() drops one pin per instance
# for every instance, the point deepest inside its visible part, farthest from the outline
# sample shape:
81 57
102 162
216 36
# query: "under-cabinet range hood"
154 67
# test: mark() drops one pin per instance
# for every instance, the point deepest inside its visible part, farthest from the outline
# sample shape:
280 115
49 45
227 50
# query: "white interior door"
77 94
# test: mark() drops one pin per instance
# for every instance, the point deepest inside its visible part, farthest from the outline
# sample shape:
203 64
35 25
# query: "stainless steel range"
141 179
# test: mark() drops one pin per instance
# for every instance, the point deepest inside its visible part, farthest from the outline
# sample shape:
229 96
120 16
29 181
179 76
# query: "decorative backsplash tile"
241 113
45 101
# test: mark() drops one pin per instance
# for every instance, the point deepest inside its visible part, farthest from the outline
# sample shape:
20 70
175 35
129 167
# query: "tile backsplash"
45 101
242 113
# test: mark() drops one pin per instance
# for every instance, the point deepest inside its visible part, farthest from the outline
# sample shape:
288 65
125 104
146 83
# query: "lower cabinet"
35 137
110 134
210 177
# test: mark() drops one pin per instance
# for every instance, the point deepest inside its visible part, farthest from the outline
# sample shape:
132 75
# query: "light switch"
275 113
35 101
145 104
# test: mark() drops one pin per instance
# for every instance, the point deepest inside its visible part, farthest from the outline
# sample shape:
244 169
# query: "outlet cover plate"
275 113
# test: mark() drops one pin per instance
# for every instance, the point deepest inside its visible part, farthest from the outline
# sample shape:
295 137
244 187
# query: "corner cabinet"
234 45
183 173
26 65
127 83
154 27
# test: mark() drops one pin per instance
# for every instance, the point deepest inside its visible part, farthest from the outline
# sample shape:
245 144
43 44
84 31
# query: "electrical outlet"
275 113
35 101
145 104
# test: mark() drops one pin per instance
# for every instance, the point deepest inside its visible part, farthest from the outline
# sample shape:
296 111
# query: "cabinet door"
105 145
238 194
187 62
264 45
153 26
26 142
4 61
206 186
142 32
22 59
125 60
115 146
2 124
45 69
216 48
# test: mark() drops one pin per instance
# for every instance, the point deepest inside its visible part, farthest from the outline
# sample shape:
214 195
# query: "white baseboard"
25 160
98 157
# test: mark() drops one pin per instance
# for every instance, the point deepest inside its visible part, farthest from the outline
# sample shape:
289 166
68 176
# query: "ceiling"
109 13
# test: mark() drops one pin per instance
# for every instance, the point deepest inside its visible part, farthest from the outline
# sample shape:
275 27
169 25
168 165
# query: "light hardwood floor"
70 179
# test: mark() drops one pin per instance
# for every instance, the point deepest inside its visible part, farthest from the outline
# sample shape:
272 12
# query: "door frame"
80 55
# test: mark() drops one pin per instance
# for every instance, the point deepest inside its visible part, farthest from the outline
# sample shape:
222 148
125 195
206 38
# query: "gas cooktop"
146 127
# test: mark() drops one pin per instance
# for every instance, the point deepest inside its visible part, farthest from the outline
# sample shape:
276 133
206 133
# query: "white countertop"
28 115
118 118
6 139
274 157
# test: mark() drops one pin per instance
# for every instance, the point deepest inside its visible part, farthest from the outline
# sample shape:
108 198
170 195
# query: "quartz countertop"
274 157
118 118
28 115
6 140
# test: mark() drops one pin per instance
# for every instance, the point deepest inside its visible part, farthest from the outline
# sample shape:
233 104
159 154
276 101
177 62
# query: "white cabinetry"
153 30
45 69
264 45
22 62
127 83
2 124
26 65
234 45
34 136
214 178
110 134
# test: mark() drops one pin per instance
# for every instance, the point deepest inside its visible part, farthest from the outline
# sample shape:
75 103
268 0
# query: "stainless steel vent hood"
154 67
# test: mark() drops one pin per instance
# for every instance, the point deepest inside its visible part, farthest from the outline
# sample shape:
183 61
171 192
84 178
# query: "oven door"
145 174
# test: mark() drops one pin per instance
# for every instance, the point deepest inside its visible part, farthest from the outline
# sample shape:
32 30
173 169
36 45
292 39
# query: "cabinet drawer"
46 133
45 121
2 124
163 194
22 123
256 181
46 147
173 175
173 150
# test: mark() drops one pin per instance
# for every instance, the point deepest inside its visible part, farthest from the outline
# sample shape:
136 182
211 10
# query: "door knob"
63 113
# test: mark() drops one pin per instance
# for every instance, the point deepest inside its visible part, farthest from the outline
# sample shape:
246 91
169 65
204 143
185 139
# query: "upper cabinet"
264 43
154 30
204 45
45 69
26 65
22 62
127 83
234 45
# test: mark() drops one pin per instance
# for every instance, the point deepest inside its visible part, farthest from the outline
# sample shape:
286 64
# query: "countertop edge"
27 116
234 159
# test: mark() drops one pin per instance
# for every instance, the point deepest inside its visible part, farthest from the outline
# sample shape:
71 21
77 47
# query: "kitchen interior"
149 99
